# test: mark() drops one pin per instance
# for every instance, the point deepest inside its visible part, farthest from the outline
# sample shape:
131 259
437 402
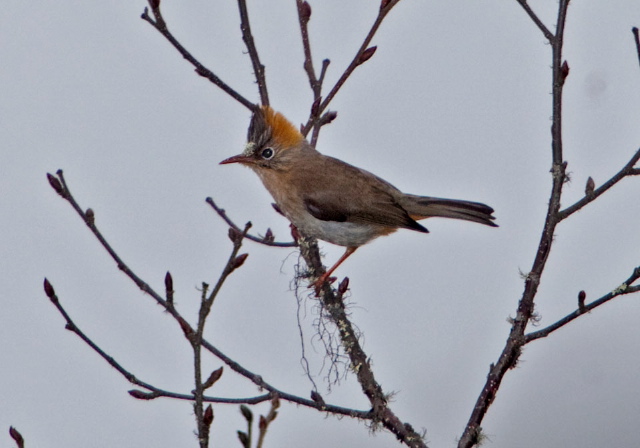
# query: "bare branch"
359 360
188 330
511 352
89 219
624 288
155 392
636 38
548 34
627 170
16 436
267 240
71 326
258 67
386 7
160 25
304 14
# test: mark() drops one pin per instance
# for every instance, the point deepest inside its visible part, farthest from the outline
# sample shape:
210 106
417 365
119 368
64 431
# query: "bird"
331 200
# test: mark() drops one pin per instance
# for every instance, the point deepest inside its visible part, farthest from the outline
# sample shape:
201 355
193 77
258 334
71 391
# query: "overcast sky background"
455 103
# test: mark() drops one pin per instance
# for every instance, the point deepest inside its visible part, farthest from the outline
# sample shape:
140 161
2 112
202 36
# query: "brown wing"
349 194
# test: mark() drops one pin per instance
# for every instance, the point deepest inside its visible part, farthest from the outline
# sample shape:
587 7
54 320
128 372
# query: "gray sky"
455 103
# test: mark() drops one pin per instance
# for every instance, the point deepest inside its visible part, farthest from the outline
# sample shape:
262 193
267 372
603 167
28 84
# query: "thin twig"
160 25
625 288
304 14
358 59
89 219
234 261
60 186
266 240
636 38
258 67
627 170
548 34
155 392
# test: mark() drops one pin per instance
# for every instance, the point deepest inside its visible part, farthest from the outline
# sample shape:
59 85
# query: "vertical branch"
304 14
204 417
509 357
359 361
160 25
258 67
363 54
636 37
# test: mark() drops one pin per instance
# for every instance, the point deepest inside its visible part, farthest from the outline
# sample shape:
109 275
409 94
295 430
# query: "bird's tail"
421 207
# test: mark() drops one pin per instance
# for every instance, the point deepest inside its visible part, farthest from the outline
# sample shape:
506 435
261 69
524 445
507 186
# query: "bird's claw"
318 284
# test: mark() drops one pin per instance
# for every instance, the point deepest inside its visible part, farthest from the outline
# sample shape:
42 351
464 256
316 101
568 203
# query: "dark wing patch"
355 196
386 214
324 212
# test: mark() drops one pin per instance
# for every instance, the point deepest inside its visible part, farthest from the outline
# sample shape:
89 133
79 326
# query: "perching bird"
329 199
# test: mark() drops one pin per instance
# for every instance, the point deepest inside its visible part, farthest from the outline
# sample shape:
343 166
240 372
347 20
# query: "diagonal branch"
361 56
625 288
548 34
258 67
267 240
333 303
627 170
155 392
60 186
304 14
160 25
636 38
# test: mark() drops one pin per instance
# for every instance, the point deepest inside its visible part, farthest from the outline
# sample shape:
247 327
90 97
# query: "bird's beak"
240 158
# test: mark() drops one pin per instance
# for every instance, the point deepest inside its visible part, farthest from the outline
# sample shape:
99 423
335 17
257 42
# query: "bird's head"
270 141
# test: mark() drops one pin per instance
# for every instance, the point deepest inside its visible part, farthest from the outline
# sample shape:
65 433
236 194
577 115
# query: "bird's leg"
326 276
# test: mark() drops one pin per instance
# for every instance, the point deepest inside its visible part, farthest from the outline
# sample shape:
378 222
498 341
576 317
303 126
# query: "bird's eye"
267 153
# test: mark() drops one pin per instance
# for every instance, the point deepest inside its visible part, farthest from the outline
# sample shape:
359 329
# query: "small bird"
329 199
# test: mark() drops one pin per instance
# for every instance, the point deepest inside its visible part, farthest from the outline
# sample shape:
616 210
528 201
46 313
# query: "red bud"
234 235
244 438
316 106
155 4
305 12
186 328
55 184
215 376
268 237
246 412
207 419
315 396
564 70
16 436
329 116
168 282
589 187
238 261
89 216
48 289
263 423
366 55
140 395
582 296
344 285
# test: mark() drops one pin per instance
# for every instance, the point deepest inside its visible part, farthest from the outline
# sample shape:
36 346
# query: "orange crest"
283 131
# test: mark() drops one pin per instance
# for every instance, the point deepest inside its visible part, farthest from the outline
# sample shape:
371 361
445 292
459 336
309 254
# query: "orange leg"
326 276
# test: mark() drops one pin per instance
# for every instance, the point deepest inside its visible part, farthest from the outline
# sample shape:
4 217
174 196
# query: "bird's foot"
318 284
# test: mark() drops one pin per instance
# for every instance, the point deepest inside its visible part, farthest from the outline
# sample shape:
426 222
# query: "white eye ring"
267 153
